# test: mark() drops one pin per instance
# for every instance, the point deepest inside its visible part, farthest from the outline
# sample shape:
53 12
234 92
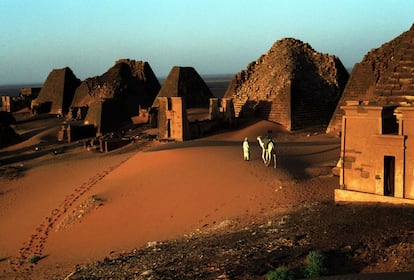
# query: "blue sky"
213 36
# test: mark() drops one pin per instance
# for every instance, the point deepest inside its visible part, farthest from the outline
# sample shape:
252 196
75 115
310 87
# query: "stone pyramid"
186 82
384 76
291 84
57 92
132 82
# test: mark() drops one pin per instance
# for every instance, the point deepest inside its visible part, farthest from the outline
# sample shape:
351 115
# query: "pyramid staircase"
399 81
385 76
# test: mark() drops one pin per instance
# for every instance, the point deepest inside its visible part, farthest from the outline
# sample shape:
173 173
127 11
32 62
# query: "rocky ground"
354 239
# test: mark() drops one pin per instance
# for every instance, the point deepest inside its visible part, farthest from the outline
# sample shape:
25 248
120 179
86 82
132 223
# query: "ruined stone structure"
24 100
102 117
185 82
15 103
377 152
131 82
176 122
30 91
172 119
385 76
291 84
57 92
222 109
6 104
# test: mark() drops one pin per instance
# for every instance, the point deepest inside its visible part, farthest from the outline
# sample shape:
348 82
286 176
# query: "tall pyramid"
57 92
384 76
186 82
291 84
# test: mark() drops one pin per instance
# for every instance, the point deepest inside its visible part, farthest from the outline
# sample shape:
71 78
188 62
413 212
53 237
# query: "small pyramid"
291 84
186 82
384 76
58 91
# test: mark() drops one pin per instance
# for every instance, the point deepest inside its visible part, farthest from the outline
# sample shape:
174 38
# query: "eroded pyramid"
291 84
132 83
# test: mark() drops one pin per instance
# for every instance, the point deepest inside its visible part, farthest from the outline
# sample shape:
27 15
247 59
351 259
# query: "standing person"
268 138
246 149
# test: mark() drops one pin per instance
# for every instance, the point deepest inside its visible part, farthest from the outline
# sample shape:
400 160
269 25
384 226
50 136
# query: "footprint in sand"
36 243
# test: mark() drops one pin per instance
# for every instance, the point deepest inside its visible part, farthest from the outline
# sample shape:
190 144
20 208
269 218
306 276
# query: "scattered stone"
238 254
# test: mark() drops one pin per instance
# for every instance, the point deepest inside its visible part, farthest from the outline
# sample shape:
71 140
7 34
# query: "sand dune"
83 208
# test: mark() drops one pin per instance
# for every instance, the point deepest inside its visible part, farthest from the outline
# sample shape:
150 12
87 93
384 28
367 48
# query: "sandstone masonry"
291 84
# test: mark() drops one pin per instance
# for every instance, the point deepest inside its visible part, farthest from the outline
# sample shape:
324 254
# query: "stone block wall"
172 119
222 109
372 160
405 117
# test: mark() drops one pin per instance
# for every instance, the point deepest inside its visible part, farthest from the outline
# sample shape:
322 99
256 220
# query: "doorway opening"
169 129
389 175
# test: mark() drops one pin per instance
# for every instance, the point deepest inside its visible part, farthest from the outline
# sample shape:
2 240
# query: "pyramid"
385 76
185 82
132 82
107 115
291 84
57 92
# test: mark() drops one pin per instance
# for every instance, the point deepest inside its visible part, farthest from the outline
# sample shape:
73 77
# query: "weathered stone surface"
57 92
384 76
291 84
172 119
186 82
132 82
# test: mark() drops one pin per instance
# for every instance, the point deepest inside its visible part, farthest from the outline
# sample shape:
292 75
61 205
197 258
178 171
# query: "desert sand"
78 207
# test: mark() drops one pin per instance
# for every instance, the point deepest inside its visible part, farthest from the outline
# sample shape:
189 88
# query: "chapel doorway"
169 128
389 175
